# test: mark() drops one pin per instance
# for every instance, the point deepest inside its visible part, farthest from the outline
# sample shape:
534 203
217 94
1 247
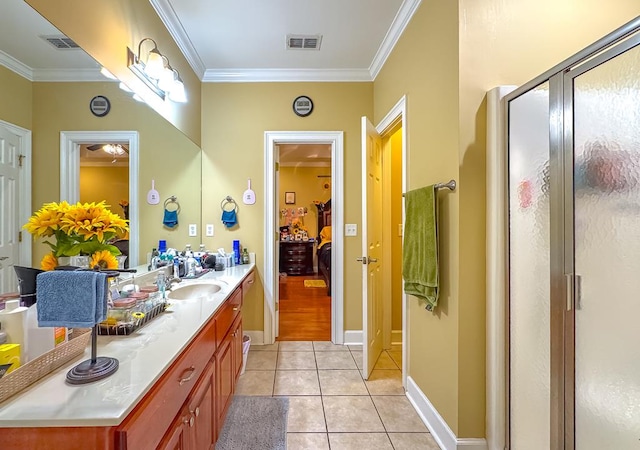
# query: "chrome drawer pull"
236 308
191 371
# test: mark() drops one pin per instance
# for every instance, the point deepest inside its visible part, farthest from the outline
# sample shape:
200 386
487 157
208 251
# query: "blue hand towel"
229 218
170 218
420 247
71 298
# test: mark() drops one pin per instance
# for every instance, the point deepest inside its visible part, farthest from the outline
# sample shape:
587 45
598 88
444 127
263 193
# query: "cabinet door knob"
191 370
191 421
236 308
197 411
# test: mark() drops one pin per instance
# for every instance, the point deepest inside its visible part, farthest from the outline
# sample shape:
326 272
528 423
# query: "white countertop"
143 357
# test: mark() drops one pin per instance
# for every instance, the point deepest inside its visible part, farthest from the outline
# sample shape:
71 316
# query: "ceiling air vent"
304 41
61 42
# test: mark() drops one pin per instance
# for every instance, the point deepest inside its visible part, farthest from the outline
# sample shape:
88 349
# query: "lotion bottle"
14 323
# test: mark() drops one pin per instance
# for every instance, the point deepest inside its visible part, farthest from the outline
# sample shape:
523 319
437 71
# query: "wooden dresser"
296 257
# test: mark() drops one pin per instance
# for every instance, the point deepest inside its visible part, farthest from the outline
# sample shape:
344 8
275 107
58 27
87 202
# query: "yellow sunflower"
49 262
104 259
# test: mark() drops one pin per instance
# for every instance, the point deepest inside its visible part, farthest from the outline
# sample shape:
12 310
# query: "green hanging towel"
420 247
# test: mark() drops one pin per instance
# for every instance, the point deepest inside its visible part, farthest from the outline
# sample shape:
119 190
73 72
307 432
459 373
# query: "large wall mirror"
46 89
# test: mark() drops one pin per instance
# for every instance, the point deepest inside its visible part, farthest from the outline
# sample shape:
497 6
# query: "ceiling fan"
112 149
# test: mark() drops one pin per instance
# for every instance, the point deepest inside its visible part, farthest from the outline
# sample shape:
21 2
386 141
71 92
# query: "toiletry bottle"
191 265
3 336
245 256
14 323
236 252
176 267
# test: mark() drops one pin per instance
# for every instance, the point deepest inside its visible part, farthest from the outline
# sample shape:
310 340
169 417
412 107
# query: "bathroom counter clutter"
144 357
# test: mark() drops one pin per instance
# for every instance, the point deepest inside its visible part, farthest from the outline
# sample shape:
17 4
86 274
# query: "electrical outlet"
209 229
193 230
350 229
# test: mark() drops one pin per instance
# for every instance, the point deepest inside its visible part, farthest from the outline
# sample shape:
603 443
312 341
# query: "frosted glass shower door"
606 143
529 270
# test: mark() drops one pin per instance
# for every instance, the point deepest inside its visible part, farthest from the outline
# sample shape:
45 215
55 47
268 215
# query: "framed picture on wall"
289 198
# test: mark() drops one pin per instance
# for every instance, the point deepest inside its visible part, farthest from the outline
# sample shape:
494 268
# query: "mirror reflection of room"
304 210
104 175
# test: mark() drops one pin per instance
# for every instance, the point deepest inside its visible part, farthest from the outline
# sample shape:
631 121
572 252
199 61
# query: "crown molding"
16 66
175 28
400 22
285 75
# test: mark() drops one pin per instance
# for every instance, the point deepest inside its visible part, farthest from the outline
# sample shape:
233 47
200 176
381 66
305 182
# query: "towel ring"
172 200
228 200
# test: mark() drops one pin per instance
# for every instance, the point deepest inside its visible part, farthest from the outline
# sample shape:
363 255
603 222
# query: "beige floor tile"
355 348
385 382
327 346
398 415
412 441
296 360
256 382
296 382
385 362
306 415
261 360
357 357
264 348
346 414
307 441
342 382
359 441
296 346
335 360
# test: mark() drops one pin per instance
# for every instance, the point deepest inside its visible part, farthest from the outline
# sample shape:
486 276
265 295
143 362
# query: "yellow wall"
166 155
395 219
15 99
108 183
305 183
106 29
446 60
235 117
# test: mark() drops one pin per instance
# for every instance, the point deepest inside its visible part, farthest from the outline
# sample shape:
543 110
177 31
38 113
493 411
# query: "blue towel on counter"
229 218
170 219
71 298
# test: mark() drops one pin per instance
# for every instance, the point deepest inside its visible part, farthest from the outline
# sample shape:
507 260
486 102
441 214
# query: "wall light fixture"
156 73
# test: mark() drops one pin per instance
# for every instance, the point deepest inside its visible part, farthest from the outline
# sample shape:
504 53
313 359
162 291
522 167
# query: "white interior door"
276 252
9 208
372 308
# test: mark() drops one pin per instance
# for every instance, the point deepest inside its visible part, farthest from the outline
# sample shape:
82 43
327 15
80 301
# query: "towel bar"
451 185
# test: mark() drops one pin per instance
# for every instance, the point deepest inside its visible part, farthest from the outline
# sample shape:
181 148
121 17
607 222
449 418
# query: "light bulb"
155 64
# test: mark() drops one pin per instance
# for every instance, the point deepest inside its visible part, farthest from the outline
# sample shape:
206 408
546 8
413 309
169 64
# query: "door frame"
24 206
70 142
336 140
397 115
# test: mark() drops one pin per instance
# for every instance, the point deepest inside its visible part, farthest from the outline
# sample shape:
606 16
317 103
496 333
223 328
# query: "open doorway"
305 244
273 141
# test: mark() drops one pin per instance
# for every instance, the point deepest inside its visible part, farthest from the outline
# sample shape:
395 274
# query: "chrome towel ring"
172 201
229 202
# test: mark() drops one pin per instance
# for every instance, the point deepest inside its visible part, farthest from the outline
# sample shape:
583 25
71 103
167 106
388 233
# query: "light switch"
350 229
209 230
193 230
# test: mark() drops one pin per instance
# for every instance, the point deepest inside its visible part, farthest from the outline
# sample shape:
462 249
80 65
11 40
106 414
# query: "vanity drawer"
227 314
248 282
145 426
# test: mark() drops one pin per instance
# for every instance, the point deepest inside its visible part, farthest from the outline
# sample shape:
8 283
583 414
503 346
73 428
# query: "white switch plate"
209 230
350 229
193 230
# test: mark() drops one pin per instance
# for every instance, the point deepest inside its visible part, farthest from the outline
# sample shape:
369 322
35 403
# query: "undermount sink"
191 291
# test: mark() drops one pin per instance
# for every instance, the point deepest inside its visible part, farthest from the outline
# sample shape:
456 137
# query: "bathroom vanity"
175 382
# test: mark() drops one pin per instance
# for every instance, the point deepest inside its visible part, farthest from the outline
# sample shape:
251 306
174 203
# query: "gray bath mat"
255 423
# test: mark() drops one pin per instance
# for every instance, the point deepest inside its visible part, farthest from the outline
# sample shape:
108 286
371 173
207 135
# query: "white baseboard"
436 424
353 337
396 337
257 337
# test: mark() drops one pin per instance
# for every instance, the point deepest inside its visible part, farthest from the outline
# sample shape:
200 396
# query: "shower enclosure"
574 251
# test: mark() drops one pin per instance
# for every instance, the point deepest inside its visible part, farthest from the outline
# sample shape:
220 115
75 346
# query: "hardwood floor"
305 313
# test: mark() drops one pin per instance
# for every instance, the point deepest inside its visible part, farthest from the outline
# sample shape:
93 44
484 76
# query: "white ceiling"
238 41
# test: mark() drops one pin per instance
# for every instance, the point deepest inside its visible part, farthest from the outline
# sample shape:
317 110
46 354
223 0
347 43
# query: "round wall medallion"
302 106
100 105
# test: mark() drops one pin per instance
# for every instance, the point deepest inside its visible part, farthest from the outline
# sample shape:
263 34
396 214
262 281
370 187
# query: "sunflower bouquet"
80 229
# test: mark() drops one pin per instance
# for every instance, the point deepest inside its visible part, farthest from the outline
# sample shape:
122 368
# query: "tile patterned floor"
330 405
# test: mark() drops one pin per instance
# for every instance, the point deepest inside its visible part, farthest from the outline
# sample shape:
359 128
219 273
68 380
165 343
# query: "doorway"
273 205
304 207
70 148
15 202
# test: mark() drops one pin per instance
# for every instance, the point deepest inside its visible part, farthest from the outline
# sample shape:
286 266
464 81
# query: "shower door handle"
574 291
569 290
577 293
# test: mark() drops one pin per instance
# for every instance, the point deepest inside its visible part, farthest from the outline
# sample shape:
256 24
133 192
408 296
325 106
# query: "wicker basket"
24 376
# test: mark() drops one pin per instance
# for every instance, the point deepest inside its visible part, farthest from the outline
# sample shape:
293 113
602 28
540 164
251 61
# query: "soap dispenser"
191 265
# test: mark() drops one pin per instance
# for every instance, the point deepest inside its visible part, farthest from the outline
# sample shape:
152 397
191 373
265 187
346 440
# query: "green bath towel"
420 247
